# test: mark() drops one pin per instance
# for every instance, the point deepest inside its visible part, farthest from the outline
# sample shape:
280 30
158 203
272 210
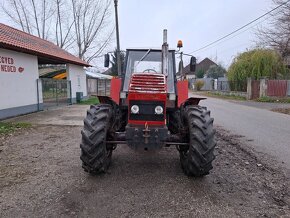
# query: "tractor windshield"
148 61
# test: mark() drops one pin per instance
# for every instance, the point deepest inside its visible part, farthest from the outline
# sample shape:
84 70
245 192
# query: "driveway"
72 115
41 176
266 131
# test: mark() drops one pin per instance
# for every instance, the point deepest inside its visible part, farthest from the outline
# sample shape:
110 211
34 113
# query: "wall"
18 86
77 76
190 76
208 84
230 93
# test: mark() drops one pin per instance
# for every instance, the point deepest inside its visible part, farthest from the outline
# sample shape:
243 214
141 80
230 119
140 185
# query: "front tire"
196 160
95 154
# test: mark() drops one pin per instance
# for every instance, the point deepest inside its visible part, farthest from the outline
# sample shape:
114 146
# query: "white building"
20 55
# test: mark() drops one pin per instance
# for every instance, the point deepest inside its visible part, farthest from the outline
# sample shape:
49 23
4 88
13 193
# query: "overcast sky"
195 22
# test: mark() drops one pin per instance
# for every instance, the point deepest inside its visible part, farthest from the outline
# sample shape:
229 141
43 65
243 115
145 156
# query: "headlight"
135 109
158 110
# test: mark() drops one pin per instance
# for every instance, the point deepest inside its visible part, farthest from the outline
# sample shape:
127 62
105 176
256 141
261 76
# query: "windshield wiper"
144 56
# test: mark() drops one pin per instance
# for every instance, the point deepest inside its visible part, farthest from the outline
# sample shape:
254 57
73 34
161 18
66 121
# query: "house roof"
203 65
47 69
47 52
98 75
108 71
187 71
52 73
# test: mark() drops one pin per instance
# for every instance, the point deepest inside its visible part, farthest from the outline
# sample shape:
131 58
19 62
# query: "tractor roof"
146 49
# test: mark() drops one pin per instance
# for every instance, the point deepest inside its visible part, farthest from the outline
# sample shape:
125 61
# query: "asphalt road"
266 131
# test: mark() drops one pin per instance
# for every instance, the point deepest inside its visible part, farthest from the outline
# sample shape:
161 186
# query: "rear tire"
95 154
196 159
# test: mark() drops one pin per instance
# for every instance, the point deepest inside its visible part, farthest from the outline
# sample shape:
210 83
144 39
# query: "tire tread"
94 155
198 159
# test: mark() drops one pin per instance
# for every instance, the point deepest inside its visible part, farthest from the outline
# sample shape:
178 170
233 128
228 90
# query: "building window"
79 82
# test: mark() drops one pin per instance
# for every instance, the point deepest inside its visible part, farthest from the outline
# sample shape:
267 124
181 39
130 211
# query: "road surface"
266 131
41 176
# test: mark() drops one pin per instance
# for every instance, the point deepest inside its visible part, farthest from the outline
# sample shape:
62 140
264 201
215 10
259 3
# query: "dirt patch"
41 175
282 110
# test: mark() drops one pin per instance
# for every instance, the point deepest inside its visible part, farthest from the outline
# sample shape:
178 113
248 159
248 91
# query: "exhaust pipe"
165 54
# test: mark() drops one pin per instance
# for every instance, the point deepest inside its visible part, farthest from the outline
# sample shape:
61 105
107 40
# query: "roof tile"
18 40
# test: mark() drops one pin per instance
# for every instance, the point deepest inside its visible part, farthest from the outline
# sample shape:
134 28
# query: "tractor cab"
146 61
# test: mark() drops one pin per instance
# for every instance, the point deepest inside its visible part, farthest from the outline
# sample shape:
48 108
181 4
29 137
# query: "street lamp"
118 40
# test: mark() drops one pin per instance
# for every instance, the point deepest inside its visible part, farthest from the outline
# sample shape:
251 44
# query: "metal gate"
54 92
277 88
98 86
255 89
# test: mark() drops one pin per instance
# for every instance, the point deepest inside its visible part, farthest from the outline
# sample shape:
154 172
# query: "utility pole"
118 40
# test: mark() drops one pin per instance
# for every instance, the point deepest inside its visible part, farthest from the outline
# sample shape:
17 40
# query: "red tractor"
149 109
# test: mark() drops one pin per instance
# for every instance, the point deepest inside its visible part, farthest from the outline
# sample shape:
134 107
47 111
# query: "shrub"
216 71
199 84
200 74
256 64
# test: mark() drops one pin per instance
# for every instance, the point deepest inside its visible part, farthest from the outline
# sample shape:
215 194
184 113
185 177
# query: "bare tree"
31 15
277 34
91 21
63 25
80 26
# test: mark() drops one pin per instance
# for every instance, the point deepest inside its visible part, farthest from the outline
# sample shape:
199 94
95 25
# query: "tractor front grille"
147 110
148 83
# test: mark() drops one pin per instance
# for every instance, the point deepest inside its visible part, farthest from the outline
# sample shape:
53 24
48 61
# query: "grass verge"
218 95
6 128
90 101
273 100
282 110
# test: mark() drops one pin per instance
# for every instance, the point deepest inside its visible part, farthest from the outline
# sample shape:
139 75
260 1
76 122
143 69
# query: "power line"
237 30
222 41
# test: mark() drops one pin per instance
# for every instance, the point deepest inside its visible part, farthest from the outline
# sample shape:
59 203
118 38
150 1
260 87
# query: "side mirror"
192 64
107 60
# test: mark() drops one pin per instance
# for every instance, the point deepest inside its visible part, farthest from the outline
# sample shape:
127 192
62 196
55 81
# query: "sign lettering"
7 64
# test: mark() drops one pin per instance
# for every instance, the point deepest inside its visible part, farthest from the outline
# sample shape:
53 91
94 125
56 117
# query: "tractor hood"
147 92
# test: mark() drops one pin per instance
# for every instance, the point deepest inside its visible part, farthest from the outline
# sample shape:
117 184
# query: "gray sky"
196 22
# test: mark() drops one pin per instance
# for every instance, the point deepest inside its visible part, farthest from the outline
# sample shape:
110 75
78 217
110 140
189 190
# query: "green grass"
273 100
90 101
218 95
6 128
